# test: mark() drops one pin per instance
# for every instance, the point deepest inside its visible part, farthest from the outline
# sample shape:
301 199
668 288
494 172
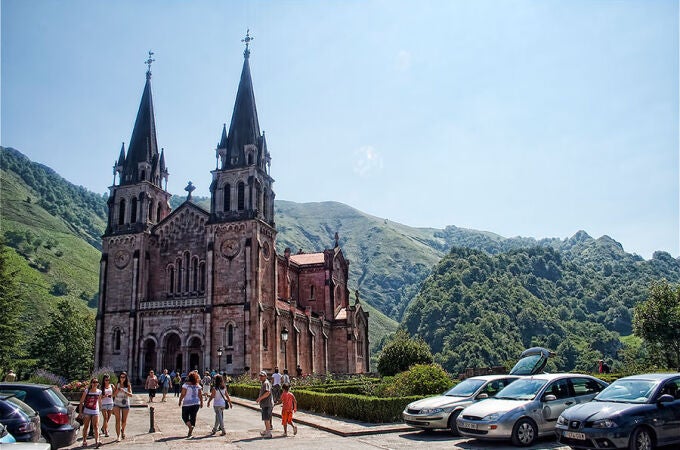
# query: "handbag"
79 419
226 403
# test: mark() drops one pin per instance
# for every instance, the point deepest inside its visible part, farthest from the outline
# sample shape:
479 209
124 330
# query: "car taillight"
58 418
27 427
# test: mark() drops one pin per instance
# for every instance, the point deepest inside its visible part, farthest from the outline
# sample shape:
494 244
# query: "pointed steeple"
223 139
121 157
244 128
143 144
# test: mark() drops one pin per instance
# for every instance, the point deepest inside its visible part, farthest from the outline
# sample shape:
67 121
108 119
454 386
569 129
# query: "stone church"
196 289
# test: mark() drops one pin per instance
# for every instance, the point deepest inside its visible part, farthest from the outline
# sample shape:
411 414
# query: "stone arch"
195 351
172 350
121 212
149 354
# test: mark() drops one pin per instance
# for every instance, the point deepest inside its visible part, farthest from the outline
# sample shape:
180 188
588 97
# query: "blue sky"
532 118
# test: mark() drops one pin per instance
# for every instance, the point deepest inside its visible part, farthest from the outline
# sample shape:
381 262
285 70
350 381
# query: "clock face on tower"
230 248
121 258
266 250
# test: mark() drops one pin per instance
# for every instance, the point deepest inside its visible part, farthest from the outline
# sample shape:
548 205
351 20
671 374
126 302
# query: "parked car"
638 412
20 419
527 408
441 411
57 415
5 436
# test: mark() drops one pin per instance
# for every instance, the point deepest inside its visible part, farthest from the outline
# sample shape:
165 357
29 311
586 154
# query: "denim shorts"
108 407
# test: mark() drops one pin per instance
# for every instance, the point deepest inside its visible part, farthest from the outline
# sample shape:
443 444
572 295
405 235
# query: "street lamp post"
219 359
284 338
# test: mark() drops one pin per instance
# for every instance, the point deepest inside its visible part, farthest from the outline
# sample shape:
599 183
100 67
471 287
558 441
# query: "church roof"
302 259
244 127
143 144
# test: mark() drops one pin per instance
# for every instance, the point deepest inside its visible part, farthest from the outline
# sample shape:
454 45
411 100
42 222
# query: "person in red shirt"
288 407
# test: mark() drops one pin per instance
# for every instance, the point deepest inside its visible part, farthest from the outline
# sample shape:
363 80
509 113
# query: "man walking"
164 381
266 402
276 385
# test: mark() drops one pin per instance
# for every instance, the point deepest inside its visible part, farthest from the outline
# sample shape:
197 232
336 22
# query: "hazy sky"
533 118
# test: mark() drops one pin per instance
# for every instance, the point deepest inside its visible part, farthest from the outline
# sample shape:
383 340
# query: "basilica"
191 289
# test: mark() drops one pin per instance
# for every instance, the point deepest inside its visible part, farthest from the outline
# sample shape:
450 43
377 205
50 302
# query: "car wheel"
453 426
641 439
524 433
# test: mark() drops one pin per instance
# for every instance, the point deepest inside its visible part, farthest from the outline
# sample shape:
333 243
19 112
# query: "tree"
65 346
657 321
401 352
10 312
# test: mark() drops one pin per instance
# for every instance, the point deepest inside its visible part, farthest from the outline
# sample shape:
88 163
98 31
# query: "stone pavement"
243 424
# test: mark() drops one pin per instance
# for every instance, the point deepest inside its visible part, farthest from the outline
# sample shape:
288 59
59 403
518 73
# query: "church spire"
244 128
143 146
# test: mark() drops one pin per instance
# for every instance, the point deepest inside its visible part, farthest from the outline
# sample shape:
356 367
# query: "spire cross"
148 62
247 40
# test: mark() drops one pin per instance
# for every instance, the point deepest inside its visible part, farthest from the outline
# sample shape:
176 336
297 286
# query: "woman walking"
121 404
177 384
221 397
193 401
90 404
107 404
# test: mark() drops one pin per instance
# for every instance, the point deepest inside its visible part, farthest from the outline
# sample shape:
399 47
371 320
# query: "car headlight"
491 417
604 423
431 410
562 421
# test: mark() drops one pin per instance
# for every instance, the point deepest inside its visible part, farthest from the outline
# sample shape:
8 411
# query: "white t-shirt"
220 398
107 398
193 395
91 402
276 377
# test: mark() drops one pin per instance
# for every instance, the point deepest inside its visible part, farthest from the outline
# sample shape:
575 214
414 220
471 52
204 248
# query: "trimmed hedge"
348 406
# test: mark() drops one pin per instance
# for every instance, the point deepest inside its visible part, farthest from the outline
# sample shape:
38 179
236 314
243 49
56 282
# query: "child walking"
288 407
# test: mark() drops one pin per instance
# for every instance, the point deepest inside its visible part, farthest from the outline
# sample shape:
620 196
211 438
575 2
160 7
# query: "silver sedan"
527 408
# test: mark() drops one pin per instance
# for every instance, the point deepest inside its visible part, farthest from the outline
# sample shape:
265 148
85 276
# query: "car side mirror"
549 398
666 398
482 396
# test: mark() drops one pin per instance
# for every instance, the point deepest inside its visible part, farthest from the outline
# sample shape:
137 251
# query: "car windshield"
522 389
56 397
628 391
465 388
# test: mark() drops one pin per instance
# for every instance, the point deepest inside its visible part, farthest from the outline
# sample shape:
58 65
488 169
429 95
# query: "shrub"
421 379
42 376
401 352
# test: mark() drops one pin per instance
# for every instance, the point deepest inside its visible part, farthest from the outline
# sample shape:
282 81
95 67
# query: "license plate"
573 435
471 426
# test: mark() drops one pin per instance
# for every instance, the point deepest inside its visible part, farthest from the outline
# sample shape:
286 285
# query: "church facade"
195 289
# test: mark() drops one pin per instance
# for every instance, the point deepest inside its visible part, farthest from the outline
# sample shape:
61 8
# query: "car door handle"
569 403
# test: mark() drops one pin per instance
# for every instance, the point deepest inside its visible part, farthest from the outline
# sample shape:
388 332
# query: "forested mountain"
484 301
478 309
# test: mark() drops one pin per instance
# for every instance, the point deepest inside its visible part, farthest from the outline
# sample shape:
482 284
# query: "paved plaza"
243 426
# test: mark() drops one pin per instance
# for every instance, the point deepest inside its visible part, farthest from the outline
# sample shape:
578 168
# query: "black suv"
57 416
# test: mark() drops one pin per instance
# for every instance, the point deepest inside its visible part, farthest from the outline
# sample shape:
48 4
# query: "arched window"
227 197
116 340
264 338
187 272
194 274
143 175
149 216
258 197
250 159
230 335
202 277
171 277
241 196
121 212
133 210
179 275
265 203
158 212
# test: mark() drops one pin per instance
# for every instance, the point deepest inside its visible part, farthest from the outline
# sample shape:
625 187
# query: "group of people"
107 400
213 389
115 400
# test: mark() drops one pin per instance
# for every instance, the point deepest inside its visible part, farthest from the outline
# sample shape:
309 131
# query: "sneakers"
294 430
267 435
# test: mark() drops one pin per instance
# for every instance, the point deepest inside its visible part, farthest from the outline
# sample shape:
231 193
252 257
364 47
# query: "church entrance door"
173 352
149 356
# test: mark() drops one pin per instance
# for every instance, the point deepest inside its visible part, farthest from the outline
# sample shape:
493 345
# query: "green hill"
574 289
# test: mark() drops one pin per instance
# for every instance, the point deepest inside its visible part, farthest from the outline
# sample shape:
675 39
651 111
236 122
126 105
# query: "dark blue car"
639 412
